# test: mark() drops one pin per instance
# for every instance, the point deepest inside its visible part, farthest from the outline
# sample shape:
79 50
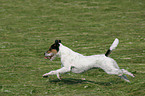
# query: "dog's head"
53 50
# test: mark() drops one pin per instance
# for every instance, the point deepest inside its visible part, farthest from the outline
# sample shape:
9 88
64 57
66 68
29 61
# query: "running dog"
78 63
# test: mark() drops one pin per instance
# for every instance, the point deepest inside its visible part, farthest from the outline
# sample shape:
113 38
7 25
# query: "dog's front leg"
57 72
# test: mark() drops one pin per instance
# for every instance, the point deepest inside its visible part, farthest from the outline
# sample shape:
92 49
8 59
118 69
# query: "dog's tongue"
45 57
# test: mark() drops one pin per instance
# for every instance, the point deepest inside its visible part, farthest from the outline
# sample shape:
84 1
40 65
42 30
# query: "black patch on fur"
55 45
108 53
57 41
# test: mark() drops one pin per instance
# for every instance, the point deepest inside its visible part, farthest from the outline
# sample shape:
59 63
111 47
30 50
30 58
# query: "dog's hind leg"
119 73
124 78
128 73
113 71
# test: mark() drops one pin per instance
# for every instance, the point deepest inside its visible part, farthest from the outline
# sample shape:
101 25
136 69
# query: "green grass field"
29 27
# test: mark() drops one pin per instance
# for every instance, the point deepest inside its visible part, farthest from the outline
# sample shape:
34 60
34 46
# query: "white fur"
78 63
114 45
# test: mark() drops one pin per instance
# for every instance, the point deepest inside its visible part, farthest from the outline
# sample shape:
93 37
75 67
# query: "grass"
29 27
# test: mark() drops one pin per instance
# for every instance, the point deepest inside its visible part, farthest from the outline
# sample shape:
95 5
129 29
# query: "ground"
29 27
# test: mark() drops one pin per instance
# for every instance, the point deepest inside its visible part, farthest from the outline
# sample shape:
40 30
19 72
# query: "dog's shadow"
71 81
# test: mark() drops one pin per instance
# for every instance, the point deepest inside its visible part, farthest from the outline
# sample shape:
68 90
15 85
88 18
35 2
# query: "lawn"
29 27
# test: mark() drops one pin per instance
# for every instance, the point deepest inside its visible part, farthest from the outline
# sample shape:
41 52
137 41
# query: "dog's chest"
69 60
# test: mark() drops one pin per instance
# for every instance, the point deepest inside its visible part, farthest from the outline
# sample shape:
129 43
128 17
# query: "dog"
78 63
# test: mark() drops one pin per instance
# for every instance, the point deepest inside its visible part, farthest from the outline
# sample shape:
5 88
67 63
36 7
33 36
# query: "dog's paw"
52 73
45 75
59 77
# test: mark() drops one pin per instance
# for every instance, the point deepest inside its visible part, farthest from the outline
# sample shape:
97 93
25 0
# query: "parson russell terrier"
78 63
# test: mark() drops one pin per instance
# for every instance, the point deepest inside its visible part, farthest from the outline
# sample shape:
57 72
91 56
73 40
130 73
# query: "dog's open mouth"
49 57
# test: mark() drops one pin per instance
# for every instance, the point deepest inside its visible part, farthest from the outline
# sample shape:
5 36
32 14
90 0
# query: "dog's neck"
66 52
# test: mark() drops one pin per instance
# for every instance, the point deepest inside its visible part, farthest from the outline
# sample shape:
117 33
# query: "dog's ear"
57 42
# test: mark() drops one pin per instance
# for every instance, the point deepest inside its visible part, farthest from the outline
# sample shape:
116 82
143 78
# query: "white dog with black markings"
78 63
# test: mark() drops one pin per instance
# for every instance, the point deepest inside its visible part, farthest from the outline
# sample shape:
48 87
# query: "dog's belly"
78 70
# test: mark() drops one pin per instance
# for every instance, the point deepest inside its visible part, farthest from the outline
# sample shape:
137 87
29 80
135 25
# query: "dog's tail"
113 46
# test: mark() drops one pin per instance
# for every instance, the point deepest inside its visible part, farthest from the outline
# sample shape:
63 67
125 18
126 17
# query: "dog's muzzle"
48 55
